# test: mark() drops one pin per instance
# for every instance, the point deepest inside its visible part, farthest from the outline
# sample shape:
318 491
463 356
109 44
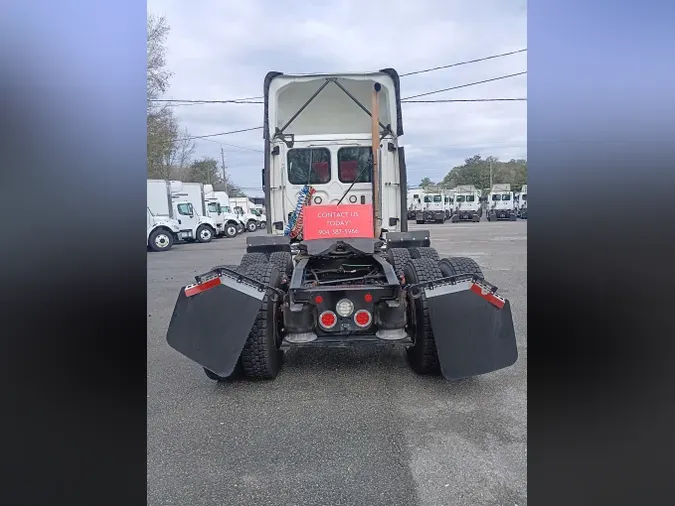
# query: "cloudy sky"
222 50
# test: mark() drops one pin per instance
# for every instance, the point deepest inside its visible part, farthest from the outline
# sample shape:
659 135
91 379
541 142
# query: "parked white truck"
434 208
242 206
161 233
227 223
501 203
415 197
467 204
521 203
182 202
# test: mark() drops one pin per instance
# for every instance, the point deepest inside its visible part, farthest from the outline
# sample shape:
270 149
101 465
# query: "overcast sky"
222 50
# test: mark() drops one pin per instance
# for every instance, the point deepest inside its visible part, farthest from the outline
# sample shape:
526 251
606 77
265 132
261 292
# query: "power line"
234 145
466 62
465 85
216 135
256 100
465 100
231 101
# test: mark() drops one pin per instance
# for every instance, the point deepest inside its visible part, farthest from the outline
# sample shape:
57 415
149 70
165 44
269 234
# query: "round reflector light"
345 307
368 297
318 299
328 319
363 318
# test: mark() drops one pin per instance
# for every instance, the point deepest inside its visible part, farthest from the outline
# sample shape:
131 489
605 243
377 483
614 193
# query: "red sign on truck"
338 222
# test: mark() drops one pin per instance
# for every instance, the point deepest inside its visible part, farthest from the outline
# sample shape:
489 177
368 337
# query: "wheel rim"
205 234
162 241
231 230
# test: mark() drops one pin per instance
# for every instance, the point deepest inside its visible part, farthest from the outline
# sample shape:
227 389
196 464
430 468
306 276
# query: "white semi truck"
501 204
435 209
415 197
467 204
185 203
521 203
386 284
162 232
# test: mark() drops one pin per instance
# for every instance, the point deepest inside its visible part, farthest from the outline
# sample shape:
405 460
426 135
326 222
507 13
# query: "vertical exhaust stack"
377 214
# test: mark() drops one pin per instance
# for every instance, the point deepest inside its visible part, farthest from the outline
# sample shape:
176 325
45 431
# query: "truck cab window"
460 198
496 197
299 171
225 209
438 198
427 199
214 208
524 196
185 209
470 198
354 161
506 196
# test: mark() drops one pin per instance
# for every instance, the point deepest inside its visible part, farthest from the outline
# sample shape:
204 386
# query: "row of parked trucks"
466 203
195 212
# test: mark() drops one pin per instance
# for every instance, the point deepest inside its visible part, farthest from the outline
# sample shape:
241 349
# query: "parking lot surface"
339 426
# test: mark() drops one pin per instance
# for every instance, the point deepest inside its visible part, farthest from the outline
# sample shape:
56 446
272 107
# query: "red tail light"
363 318
328 319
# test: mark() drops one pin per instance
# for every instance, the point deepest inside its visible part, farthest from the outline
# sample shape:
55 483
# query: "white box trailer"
159 198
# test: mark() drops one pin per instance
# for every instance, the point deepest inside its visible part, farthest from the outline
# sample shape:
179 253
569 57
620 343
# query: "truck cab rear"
501 205
434 209
467 204
522 203
339 265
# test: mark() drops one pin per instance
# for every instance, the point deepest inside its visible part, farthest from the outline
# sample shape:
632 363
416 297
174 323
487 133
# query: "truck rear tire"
398 258
283 261
204 234
160 240
459 265
261 357
250 259
422 355
425 252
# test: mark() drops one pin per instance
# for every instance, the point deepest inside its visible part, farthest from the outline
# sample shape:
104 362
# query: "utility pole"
490 173
222 156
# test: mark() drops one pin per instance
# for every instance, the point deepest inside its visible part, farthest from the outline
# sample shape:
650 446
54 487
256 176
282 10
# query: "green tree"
476 171
426 183
204 171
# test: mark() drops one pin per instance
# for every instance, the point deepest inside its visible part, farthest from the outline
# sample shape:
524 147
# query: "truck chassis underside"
344 293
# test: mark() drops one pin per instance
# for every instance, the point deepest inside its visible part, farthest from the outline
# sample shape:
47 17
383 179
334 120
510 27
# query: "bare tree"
158 75
180 155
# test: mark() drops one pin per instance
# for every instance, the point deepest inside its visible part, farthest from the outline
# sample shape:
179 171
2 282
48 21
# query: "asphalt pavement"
339 426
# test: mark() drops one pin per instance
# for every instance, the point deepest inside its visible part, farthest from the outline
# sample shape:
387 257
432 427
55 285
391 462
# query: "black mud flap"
211 321
473 329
